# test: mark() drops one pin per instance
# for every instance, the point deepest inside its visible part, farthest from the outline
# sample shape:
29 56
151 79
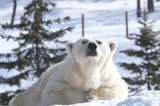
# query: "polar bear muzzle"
91 49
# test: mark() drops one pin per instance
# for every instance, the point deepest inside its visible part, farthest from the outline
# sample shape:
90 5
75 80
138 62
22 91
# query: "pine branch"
132 81
15 80
131 52
8 65
132 66
48 35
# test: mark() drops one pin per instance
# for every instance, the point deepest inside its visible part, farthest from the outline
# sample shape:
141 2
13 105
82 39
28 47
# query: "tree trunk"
149 86
138 8
13 12
150 5
38 18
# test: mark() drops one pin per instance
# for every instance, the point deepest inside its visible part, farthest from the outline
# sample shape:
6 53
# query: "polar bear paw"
89 95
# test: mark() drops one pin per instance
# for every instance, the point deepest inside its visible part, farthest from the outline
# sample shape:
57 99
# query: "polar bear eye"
99 42
84 41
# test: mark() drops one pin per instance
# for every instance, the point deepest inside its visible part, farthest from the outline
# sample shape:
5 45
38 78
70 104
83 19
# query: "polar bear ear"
113 47
69 46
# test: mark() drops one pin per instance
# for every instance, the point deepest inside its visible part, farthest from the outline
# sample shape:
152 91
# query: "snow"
148 98
103 19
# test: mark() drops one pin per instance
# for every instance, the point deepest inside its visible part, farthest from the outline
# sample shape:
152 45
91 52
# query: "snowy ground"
150 98
103 19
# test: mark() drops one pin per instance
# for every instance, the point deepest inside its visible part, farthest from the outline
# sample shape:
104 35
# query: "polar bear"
87 73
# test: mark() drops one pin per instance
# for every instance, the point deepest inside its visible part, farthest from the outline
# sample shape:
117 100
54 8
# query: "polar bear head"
87 50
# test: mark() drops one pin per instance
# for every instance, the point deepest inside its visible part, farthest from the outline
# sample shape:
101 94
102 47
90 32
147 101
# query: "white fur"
74 79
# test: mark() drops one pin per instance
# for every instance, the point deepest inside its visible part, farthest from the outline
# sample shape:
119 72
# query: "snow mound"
147 98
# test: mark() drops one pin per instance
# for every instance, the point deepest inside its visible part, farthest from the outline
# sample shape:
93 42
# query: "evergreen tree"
38 46
148 70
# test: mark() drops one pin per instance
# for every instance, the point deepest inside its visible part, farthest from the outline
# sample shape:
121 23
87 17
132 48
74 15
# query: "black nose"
92 46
